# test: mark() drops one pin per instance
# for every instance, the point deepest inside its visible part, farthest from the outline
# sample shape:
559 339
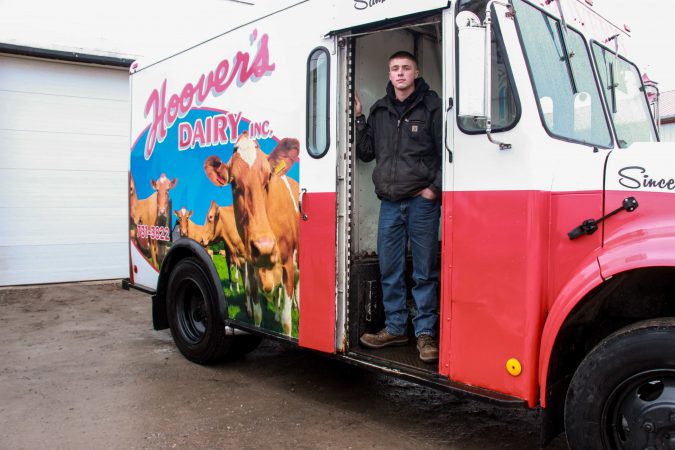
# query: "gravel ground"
81 367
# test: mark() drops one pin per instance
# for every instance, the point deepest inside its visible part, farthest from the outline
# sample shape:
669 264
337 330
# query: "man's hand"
428 194
357 105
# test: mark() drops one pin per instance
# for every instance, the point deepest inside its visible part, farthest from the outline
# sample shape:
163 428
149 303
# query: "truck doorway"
369 57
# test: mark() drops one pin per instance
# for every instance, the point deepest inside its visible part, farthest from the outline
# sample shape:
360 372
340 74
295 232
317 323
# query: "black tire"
622 396
194 319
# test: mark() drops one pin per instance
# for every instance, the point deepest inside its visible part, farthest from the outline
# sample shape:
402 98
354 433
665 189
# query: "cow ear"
175 212
214 207
153 184
174 181
190 213
216 171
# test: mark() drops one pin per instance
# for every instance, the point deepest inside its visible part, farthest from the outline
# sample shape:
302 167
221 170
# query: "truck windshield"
562 75
625 97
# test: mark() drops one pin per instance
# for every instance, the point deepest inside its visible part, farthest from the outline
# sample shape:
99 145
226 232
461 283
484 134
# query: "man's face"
402 73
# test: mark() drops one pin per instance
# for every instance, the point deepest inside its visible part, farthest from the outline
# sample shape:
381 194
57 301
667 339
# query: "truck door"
317 205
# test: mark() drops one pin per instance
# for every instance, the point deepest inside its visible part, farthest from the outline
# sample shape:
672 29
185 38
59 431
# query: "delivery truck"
250 215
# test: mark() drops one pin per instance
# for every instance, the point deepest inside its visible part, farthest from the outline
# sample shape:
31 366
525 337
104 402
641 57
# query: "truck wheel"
192 310
622 396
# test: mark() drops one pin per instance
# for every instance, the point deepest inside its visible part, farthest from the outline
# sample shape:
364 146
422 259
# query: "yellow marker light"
513 367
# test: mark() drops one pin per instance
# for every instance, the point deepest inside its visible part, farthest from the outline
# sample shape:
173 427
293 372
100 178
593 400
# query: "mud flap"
159 319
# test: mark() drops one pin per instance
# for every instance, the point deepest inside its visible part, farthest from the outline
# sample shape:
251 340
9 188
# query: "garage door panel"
63 151
60 263
57 78
59 189
38 112
64 162
59 226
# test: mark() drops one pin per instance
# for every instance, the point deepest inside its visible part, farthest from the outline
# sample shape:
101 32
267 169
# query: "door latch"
590 226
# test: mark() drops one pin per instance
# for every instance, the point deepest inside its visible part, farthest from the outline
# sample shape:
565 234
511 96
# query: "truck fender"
635 252
584 280
183 248
639 251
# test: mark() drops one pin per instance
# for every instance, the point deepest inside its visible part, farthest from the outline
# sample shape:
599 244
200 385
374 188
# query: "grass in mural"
236 299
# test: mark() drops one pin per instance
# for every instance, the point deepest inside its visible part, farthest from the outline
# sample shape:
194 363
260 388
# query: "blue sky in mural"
193 189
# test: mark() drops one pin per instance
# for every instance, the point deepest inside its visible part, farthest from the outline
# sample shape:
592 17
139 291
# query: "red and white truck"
250 216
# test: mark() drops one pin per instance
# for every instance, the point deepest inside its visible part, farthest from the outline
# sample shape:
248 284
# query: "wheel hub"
642 412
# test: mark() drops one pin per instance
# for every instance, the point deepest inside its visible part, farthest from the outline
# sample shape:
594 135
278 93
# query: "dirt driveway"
81 367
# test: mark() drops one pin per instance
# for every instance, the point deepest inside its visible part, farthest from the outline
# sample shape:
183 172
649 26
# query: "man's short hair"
404 54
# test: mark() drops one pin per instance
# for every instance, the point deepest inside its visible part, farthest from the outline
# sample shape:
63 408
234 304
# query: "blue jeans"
415 218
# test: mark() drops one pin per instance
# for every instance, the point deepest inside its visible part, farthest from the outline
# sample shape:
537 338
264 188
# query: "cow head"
270 277
162 185
183 216
212 216
248 172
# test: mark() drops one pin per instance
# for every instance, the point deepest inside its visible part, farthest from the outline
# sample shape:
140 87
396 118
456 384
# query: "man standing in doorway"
403 134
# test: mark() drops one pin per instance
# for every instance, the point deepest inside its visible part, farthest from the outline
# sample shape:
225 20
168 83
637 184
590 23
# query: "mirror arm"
488 73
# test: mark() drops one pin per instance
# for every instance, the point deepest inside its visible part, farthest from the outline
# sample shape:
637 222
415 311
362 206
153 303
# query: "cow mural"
237 198
267 220
149 215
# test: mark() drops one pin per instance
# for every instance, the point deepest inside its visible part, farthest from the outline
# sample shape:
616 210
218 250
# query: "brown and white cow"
267 219
151 210
203 234
225 229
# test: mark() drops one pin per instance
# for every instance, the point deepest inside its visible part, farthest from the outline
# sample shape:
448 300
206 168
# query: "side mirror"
475 67
471 36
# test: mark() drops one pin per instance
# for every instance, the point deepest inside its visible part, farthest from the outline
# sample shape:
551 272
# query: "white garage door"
63 171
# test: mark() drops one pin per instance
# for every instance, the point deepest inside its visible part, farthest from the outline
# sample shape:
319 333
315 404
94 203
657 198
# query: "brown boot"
383 339
428 348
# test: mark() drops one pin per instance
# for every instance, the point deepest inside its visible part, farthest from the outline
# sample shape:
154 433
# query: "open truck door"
318 203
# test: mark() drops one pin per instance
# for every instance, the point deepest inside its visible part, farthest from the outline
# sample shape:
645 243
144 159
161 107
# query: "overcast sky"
153 28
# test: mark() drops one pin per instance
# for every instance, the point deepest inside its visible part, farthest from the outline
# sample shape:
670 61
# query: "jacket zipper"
394 167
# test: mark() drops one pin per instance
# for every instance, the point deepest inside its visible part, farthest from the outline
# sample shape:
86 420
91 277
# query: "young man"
403 134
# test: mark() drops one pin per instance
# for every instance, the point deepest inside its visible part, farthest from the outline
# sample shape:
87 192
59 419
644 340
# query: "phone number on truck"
152 232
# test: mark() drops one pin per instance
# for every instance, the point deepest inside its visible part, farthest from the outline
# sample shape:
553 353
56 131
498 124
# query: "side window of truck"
562 76
318 95
505 106
625 96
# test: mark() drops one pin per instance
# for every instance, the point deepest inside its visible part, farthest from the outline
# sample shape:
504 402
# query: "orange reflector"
513 367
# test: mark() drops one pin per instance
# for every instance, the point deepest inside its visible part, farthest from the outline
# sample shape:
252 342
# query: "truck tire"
622 396
194 319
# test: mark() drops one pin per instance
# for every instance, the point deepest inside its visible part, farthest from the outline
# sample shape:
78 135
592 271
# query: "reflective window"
562 74
318 73
625 98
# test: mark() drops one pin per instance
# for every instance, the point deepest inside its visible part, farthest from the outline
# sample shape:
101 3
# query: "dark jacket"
407 147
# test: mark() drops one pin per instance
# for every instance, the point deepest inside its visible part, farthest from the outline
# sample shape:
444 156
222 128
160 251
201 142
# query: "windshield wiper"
568 54
612 76
612 87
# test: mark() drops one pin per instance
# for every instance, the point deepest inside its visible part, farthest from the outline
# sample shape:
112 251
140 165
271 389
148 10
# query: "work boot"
428 348
383 338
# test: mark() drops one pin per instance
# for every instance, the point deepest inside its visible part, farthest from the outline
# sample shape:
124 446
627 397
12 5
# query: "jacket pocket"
414 129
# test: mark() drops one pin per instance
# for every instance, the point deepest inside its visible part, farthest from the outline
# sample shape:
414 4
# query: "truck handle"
590 226
302 194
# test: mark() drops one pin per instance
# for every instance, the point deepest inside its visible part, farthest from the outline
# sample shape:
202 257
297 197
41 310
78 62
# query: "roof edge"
60 55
